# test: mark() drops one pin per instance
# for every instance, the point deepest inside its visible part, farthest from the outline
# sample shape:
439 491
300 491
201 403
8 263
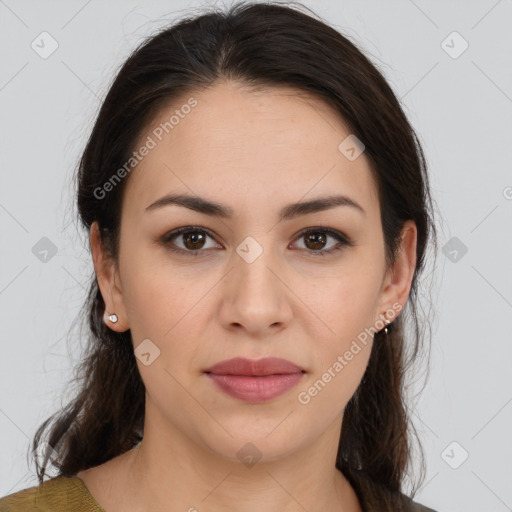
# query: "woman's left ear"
109 282
398 280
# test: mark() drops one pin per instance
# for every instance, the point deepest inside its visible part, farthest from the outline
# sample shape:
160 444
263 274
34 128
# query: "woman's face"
250 283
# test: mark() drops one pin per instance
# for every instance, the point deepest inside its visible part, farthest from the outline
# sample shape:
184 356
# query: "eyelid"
343 239
174 233
331 231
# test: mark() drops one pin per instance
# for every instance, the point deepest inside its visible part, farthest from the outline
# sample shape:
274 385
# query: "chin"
254 442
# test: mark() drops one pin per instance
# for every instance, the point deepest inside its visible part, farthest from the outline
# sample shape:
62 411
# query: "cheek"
347 310
156 296
151 303
333 383
163 310
165 306
347 304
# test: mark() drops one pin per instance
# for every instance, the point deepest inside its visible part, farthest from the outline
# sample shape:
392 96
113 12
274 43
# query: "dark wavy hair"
255 45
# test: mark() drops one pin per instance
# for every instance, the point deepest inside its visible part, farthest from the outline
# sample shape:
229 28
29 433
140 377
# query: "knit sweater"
59 494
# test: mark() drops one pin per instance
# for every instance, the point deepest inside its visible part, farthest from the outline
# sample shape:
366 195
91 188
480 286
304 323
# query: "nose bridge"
253 259
255 297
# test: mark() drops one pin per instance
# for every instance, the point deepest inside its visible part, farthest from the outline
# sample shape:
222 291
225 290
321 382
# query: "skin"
254 152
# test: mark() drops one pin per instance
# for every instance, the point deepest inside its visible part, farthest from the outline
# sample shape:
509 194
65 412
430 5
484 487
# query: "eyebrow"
288 212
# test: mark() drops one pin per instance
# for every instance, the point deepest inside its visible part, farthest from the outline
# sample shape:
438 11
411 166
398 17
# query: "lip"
260 367
257 380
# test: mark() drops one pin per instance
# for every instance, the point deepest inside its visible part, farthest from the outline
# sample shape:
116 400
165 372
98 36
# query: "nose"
255 297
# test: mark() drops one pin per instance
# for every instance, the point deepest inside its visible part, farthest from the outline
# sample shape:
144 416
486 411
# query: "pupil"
318 240
194 237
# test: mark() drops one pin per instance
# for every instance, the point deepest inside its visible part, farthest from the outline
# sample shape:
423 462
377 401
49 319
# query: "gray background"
461 106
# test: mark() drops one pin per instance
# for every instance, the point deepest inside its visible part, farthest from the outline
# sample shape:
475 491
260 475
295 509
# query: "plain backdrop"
450 64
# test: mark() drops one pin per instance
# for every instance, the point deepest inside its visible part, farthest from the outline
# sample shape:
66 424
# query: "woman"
259 211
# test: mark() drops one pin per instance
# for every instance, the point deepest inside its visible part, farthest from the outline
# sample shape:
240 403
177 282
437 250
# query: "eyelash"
168 237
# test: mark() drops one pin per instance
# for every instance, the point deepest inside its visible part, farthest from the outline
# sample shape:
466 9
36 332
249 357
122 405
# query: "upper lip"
266 366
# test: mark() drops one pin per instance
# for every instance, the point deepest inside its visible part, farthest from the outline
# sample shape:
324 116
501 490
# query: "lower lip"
255 389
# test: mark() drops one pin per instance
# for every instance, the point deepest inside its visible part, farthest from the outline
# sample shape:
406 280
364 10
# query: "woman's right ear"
107 275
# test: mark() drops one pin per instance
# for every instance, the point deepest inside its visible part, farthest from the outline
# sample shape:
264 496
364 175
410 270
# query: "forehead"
274 145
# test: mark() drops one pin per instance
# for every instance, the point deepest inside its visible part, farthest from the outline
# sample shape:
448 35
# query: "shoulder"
413 506
59 494
375 496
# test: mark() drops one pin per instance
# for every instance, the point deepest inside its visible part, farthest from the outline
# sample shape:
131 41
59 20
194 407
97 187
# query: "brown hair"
267 45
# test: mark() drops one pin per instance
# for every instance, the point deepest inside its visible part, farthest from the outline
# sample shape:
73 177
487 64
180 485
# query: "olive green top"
59 494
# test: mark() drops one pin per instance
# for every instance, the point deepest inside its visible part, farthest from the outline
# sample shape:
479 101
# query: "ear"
109 282
398 280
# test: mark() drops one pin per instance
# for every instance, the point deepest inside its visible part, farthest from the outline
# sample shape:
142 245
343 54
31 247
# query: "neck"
179 474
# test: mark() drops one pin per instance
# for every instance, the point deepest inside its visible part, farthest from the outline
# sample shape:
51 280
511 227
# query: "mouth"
255 381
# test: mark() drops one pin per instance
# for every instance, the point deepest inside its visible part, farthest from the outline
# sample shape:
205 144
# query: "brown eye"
315 240
193 241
